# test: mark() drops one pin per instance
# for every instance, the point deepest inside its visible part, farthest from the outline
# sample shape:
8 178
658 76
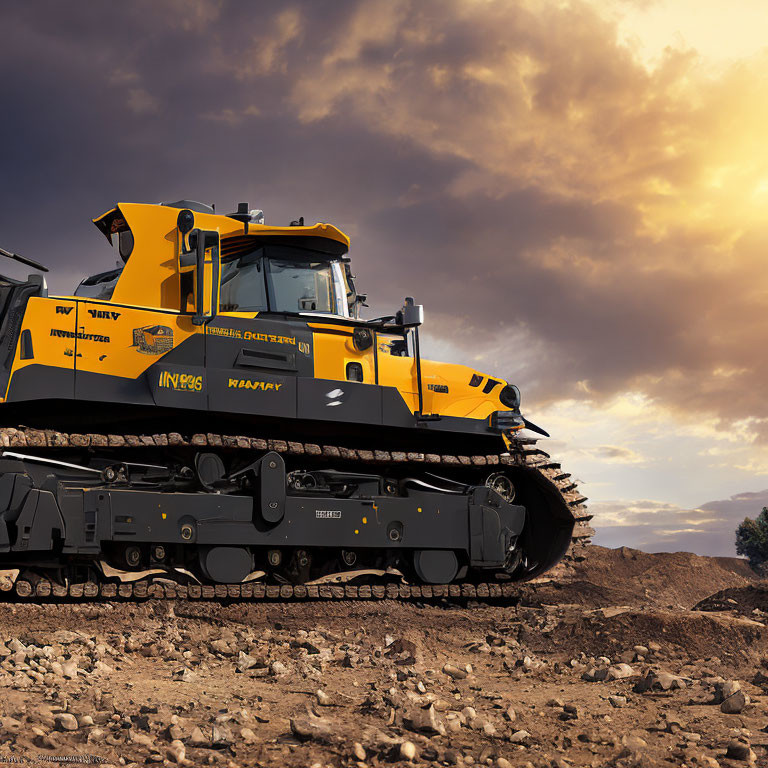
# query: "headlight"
510 396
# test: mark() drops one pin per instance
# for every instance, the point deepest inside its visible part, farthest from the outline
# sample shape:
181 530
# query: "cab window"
243 288
304 286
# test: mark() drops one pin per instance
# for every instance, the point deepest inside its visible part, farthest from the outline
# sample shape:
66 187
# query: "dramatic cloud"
583 220
511 163
617 454
662 527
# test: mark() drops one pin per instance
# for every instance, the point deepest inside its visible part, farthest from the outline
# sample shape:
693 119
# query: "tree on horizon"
752 541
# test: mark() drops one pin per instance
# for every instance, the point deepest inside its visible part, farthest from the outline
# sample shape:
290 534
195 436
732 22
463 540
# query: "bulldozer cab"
253 300
183 257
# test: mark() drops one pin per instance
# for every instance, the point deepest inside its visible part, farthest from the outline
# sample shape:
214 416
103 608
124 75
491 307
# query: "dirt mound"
629 576
682 634
577 592
751 600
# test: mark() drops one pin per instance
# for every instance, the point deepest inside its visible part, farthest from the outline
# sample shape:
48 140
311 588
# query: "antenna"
23 260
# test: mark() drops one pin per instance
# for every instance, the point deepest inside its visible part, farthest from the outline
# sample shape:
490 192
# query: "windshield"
269 279
305 287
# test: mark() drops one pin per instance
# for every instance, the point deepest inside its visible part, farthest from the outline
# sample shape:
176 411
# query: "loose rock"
734 703
66 721
176 752
309 726
619 672
737 750
359 751
454 672
245 662
408 750
424 721
663 681
185 675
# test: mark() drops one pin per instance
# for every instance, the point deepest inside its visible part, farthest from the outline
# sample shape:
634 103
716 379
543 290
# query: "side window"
242 285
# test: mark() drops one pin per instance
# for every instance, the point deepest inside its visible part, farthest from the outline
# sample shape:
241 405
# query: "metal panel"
343 401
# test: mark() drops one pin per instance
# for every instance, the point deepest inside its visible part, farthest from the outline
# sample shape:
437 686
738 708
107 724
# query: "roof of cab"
325 238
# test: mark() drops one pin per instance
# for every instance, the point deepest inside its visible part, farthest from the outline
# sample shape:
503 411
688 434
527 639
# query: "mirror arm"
199 317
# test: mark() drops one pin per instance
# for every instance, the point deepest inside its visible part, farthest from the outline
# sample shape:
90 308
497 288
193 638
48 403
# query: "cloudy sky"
577 191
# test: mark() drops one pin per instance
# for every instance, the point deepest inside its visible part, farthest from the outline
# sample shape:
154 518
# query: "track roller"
435 566
226 564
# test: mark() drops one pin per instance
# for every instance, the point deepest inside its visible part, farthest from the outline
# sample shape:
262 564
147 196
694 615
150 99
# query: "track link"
91 591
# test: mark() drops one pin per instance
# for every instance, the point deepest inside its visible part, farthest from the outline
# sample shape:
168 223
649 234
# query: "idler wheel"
226 565
435 566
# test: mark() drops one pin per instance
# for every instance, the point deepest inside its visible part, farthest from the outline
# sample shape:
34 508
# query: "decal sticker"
328 514
181 382
79 335
234 333
438 387
335 397
303 347
153 339
251 384
63 310
103 314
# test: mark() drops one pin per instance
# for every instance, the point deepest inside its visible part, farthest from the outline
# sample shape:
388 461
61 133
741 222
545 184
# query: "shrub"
752 541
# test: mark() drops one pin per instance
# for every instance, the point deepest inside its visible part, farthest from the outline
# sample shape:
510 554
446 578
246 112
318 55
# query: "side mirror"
185 222
411 315
203 260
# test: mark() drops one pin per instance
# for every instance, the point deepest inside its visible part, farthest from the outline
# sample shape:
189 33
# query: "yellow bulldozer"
215 407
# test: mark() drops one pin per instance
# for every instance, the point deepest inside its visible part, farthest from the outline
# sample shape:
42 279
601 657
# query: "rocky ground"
611 669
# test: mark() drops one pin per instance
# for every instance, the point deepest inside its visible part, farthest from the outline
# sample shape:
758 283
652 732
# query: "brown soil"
625 575
381 668
749 600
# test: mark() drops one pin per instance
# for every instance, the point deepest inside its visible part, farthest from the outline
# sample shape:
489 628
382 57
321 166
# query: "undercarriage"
95 514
